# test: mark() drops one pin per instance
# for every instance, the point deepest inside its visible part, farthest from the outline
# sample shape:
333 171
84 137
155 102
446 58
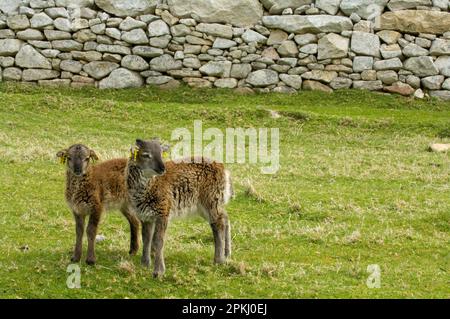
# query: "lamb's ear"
62 153
93 156
140 143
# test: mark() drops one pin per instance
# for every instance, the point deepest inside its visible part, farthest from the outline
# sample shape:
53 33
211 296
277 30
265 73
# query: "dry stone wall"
397 46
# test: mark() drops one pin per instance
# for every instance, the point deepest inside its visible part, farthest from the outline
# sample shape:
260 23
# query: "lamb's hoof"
158 274
90 262
133 252
220 261
145 263
75 259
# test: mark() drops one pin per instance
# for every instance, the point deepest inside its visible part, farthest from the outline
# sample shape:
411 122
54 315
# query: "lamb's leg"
79 230
227 236
92 227
218 226
134 229
147 235
158 239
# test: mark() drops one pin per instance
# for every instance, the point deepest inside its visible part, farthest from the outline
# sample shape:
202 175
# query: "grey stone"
28 57
262 78
10 6
395 5
240 71
52 35
136 36
341 83
10 47
160 42
443 95
421 66
389 51
165 63
361 63
308 48
88 56
389 36
414 50
320 75
304 39
241 13
125 8
440 47
216 30
40 20
6 62
310 85
366 9
30 34
277 6
221 43
228 83
71 66
18 22
57 13
12 74
332 46
413 80
135 63
387 77
39 74
158 28
114 49
446 84
129 24
391 64
253 36
217 68
365 44
147 52
121 79
99 69
62 24
276 37
329 6
443 65
368 85
288 49
294 81
308 24
67 45
158 80
193 63
433 82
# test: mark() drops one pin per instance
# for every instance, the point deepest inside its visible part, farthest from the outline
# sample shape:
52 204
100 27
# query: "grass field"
356 187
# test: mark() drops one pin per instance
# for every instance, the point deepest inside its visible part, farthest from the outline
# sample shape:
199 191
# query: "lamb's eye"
87 159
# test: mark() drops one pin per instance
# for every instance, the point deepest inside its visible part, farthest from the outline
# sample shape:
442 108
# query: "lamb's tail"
229 190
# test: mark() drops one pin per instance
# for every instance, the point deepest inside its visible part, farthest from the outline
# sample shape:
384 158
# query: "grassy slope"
356 187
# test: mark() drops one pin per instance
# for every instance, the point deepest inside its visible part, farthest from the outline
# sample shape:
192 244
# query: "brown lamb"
92 189
159 191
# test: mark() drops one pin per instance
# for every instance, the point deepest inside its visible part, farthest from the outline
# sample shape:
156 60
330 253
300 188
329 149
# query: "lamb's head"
147 155
77 158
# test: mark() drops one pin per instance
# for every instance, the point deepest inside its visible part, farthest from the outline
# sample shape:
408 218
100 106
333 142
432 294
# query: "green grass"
356 187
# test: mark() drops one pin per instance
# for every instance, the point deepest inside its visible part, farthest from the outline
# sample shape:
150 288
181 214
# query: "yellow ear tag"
165 155
133 154
63 159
